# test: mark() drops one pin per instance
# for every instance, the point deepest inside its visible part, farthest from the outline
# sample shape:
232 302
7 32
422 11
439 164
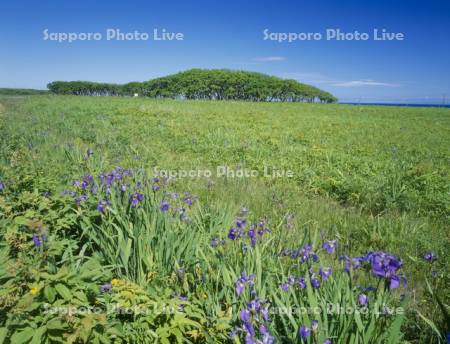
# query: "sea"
401 104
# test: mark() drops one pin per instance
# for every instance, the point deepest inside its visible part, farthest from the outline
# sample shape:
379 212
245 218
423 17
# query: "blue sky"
229 34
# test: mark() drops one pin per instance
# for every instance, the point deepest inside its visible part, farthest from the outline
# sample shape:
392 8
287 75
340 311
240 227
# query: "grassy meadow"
86 223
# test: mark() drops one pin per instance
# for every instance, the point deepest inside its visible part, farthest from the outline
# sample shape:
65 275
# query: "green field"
372 178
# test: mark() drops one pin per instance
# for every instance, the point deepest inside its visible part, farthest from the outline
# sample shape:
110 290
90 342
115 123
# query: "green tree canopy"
212 84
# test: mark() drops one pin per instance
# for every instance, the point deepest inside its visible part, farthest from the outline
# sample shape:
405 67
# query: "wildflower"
234 233
240 223
266 337
430 256
363 299
325 273
328 341
106 288
245 315
86 181
164 206
115 281
252 235
285 286
305 253
2 186
394 282
81 199
304 332
383 264
242 282
37 242
264 313
315 282
102 205
136 199
329 246
188 199
301 283
34 291
254 317
110 179
314 325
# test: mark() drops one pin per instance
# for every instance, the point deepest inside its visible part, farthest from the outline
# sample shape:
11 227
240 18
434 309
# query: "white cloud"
360 83
269 59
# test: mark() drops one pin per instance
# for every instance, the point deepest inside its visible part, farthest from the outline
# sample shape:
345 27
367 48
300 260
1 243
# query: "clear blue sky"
229 34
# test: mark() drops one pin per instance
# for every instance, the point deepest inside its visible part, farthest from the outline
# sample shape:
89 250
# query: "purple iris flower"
86 181
325 273
110 179
188 199
285 286
2 186
430 256
265 314
314 325
267 338
248 326
234 233
245 315
240 223
383 264
81 199
242 282
254 306
252 235
315 282
37 242
301 283
136 199
164 206
304 332
102 205
328 341
363 299
394 282
329 246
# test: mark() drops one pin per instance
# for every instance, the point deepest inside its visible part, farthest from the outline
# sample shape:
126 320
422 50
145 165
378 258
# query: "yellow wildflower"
115 281
34 291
